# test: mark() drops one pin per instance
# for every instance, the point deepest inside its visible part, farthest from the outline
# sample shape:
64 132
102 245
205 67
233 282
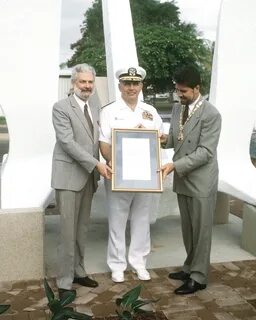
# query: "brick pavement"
230 295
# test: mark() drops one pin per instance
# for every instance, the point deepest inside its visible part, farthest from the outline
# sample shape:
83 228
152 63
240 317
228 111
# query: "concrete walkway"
166 248
231 295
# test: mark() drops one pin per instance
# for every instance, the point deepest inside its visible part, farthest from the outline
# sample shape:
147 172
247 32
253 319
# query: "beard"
83 94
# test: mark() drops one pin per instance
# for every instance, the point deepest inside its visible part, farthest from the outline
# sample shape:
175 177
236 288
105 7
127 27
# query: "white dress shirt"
119 115
81 105
192 105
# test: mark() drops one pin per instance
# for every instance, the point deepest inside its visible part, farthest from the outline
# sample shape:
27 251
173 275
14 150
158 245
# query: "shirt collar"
192 105
81 102
123 105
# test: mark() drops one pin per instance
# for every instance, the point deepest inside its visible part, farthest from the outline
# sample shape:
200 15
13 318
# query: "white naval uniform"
122 205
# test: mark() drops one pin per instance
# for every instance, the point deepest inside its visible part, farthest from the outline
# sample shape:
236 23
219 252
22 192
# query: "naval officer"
127 112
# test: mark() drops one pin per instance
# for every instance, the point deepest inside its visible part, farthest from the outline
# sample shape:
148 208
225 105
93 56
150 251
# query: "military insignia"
132 71
147 115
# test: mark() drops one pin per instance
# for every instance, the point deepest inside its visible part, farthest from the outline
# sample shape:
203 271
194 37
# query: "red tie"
88 118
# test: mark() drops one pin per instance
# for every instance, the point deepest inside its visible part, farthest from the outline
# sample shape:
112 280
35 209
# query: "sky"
203 13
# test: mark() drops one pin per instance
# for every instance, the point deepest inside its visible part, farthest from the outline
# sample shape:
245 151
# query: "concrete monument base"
222 208
21 246
248 232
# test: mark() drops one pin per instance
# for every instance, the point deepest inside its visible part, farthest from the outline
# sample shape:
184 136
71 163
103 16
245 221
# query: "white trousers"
121 206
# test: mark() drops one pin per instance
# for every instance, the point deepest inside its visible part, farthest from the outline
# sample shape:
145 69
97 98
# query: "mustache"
86 90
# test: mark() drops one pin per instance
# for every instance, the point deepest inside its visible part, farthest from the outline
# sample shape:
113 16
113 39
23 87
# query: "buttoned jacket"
76 151
195 157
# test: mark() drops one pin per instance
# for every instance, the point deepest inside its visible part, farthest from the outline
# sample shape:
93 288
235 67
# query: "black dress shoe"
190 286
86 282
181 275
62 291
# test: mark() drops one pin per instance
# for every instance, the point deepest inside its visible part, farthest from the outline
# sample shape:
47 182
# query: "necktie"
88 118
185 114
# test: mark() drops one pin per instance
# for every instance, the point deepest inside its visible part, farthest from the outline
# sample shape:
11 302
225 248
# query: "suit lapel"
190 124
176 130
95 120
76 108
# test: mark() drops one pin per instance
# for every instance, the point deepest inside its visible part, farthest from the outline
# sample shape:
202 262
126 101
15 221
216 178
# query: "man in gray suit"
75 172
194 135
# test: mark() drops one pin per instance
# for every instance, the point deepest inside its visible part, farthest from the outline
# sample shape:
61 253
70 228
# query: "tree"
162 53
164 43
90 47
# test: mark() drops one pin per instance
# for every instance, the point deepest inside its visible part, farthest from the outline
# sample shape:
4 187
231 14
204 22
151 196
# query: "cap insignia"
132 71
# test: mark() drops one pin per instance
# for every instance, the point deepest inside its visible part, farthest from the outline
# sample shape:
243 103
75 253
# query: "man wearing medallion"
194 135
127 112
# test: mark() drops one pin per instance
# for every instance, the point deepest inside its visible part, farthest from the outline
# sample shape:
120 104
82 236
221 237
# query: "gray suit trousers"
196 222
74 208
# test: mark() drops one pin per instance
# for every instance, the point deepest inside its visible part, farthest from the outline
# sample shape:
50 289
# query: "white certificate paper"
136 159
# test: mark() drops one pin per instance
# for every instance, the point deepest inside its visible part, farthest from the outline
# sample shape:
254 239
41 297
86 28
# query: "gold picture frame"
136 160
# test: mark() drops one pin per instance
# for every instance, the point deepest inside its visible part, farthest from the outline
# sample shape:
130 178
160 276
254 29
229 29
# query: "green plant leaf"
48 291
75 315
140 311
55 306
140 303
126 315
131 296
59 316
4 307
67 298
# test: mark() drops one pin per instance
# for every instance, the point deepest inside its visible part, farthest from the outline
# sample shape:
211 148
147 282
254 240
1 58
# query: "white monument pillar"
119 40
232 92
29 64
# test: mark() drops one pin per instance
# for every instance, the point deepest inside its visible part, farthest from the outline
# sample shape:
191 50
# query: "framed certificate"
136 160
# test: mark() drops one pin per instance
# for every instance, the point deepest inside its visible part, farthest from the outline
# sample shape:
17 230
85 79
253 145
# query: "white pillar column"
232 92
119 40
29 64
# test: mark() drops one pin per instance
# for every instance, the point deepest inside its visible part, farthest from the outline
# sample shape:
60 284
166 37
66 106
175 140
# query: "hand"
163 138
109 163
166 169
104 170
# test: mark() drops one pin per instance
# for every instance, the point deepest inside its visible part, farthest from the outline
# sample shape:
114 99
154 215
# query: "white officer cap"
131 74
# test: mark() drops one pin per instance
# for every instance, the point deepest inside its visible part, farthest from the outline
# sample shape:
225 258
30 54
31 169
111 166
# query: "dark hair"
188 76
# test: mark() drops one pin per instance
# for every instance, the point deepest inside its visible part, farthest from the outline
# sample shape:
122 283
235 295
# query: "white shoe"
143 274
117 276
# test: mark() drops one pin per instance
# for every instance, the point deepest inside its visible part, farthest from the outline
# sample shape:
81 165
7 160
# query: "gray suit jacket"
76 151
195 158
